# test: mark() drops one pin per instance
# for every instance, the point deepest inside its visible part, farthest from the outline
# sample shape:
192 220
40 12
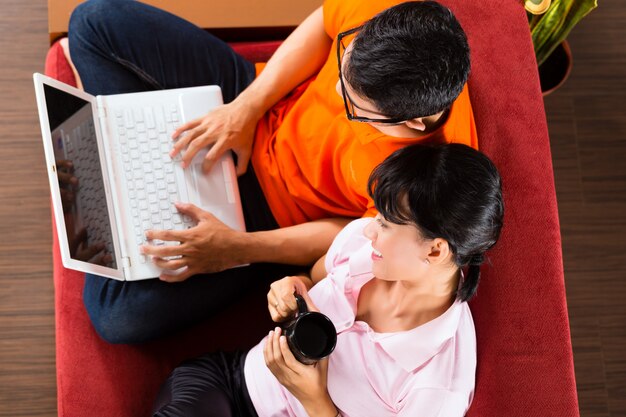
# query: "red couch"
525 365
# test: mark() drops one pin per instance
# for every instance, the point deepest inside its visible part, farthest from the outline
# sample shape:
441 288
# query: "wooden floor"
27 374
587 120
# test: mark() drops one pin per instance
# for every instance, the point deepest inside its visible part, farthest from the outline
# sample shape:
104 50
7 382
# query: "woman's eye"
381 223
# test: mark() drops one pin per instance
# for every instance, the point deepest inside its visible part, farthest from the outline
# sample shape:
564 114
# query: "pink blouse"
427 371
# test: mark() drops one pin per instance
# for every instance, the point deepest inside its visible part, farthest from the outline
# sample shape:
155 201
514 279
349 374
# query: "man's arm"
302 244
232 125
299 57
212 246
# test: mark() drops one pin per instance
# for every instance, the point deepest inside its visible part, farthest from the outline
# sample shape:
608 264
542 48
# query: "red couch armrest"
525 361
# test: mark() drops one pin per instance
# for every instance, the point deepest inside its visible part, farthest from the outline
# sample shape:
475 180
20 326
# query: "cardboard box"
221 14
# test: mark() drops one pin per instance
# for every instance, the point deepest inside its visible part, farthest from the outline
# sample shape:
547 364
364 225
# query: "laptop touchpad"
209 190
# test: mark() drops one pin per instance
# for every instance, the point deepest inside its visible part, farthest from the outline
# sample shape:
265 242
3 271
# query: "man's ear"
439 251
416 124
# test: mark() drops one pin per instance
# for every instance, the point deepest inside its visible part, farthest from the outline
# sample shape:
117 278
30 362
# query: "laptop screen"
83 197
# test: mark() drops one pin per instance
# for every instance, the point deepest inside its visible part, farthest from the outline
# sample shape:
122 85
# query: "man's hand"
210 246
281 301
230 126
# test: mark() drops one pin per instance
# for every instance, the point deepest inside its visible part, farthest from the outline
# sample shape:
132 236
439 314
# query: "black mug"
311 336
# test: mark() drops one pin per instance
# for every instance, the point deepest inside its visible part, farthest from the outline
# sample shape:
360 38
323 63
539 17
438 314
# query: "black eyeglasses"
347 101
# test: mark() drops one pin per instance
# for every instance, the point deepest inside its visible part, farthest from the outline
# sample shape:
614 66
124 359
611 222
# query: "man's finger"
243 158
176 277
193 211
200 142
167 235
169 264
179 146
161 251
187 126
211 157
183 142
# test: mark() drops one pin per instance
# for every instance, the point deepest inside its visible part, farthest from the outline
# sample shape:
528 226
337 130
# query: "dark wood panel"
27 373
587 123
564 147
592 392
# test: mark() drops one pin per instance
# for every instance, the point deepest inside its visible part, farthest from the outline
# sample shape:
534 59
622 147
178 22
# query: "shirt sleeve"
341 247
432 402
340 15
333 19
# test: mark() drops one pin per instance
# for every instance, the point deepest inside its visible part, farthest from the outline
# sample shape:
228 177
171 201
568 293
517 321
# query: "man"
339 95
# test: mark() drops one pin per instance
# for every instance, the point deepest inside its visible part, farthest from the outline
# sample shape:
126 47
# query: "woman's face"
399 253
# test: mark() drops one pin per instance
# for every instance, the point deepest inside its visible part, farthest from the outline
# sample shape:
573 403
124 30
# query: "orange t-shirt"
310 160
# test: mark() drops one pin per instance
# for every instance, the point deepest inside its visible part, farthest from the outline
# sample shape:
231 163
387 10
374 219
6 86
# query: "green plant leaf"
556 23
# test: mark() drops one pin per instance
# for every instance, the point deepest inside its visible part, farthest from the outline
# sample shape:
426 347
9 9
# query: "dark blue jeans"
121 46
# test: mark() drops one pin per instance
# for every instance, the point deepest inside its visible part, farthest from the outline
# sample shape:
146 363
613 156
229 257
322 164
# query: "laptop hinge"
102 112
125 262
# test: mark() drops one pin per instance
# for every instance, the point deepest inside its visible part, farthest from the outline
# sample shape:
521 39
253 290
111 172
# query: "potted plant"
550 23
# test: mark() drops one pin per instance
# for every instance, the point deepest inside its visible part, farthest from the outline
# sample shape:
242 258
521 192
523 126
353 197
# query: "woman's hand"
230 126
306 382
210 246
281 301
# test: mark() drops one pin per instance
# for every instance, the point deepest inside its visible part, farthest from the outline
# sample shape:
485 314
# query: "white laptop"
119 148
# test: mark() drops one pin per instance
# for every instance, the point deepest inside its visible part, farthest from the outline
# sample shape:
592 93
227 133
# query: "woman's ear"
416 124
439 251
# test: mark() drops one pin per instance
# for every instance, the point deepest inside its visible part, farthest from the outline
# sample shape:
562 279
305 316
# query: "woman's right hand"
230 126
281 301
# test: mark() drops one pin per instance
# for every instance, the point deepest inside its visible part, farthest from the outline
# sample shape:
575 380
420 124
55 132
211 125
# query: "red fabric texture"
525 363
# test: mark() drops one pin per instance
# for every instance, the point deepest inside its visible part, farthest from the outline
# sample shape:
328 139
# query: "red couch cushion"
525 365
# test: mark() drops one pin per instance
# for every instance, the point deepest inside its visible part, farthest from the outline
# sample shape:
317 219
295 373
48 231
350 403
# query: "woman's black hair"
450 191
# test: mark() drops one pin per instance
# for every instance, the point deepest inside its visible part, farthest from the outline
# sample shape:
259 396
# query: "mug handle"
302 307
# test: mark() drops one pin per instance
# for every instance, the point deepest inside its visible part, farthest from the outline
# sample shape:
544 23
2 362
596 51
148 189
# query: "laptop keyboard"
145 142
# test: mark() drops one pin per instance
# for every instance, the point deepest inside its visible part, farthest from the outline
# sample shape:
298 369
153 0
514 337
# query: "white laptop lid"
83 211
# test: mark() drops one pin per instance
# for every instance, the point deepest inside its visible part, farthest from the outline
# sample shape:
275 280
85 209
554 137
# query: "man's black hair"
448 191
411 60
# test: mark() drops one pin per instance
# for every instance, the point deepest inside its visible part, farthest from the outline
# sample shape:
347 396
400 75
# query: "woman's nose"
370 230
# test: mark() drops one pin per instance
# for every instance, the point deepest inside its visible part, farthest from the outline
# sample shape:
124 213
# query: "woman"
394 288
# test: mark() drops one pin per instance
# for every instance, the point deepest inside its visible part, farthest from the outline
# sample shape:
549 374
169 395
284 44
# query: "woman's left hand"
306 382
